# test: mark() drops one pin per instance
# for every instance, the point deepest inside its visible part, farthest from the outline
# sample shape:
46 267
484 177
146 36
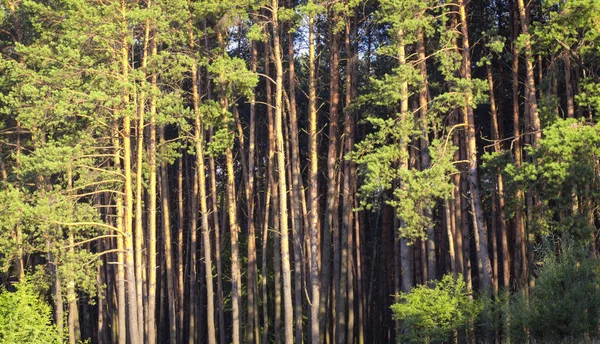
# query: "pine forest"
299 171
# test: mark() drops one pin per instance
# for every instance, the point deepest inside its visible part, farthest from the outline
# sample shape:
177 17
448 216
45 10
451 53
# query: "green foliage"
25 317
565 302
566 163
433 314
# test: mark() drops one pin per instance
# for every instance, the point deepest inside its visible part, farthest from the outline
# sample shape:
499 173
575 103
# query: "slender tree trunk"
283 213
500 183
168 249
180 244
194 197
139 192
201 172
530 79
313 184
330 210
360 282
469 120
128 201
349 176
252 323
217 230
234 230
569 85
521 266
73 318
347 204
275 202
56 288
120 271
296 193
152 206
425 158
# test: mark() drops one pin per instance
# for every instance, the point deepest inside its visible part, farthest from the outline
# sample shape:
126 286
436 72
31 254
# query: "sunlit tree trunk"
139 192
128 191
280 153
313 187
252 329
151 325
296 203
330 210
569 85
530 77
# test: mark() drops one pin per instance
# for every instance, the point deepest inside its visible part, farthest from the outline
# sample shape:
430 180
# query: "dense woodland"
259 171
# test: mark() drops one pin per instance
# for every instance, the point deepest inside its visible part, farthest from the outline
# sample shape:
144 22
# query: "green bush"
433 314
565 302
25 318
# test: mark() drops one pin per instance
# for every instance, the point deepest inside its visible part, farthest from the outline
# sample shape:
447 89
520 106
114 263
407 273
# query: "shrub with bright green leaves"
565 302
433 314
25 317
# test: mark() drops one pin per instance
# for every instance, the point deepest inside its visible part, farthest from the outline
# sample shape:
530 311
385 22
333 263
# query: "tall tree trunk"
425 158
530 77
264 276
168 248
275 203
236 284
520 263
405 265
72 297
330 210
469 120
202 201
217 230
252 328
139 192
57 289
121 299
180 257
569 85
194 197
151 327
283 213
500 183
128 201
313 184
349 176
297 231
347 204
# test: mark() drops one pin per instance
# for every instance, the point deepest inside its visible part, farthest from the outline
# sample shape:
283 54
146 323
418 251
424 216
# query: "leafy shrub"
433 314
25 318
565 302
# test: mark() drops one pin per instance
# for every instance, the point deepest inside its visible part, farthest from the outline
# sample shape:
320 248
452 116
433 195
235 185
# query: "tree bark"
168 248
139 192
330 210
569 86
128 199
520 263
425 158
283 213
500 184
532 105
252 328
469 120
313 184
201 178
